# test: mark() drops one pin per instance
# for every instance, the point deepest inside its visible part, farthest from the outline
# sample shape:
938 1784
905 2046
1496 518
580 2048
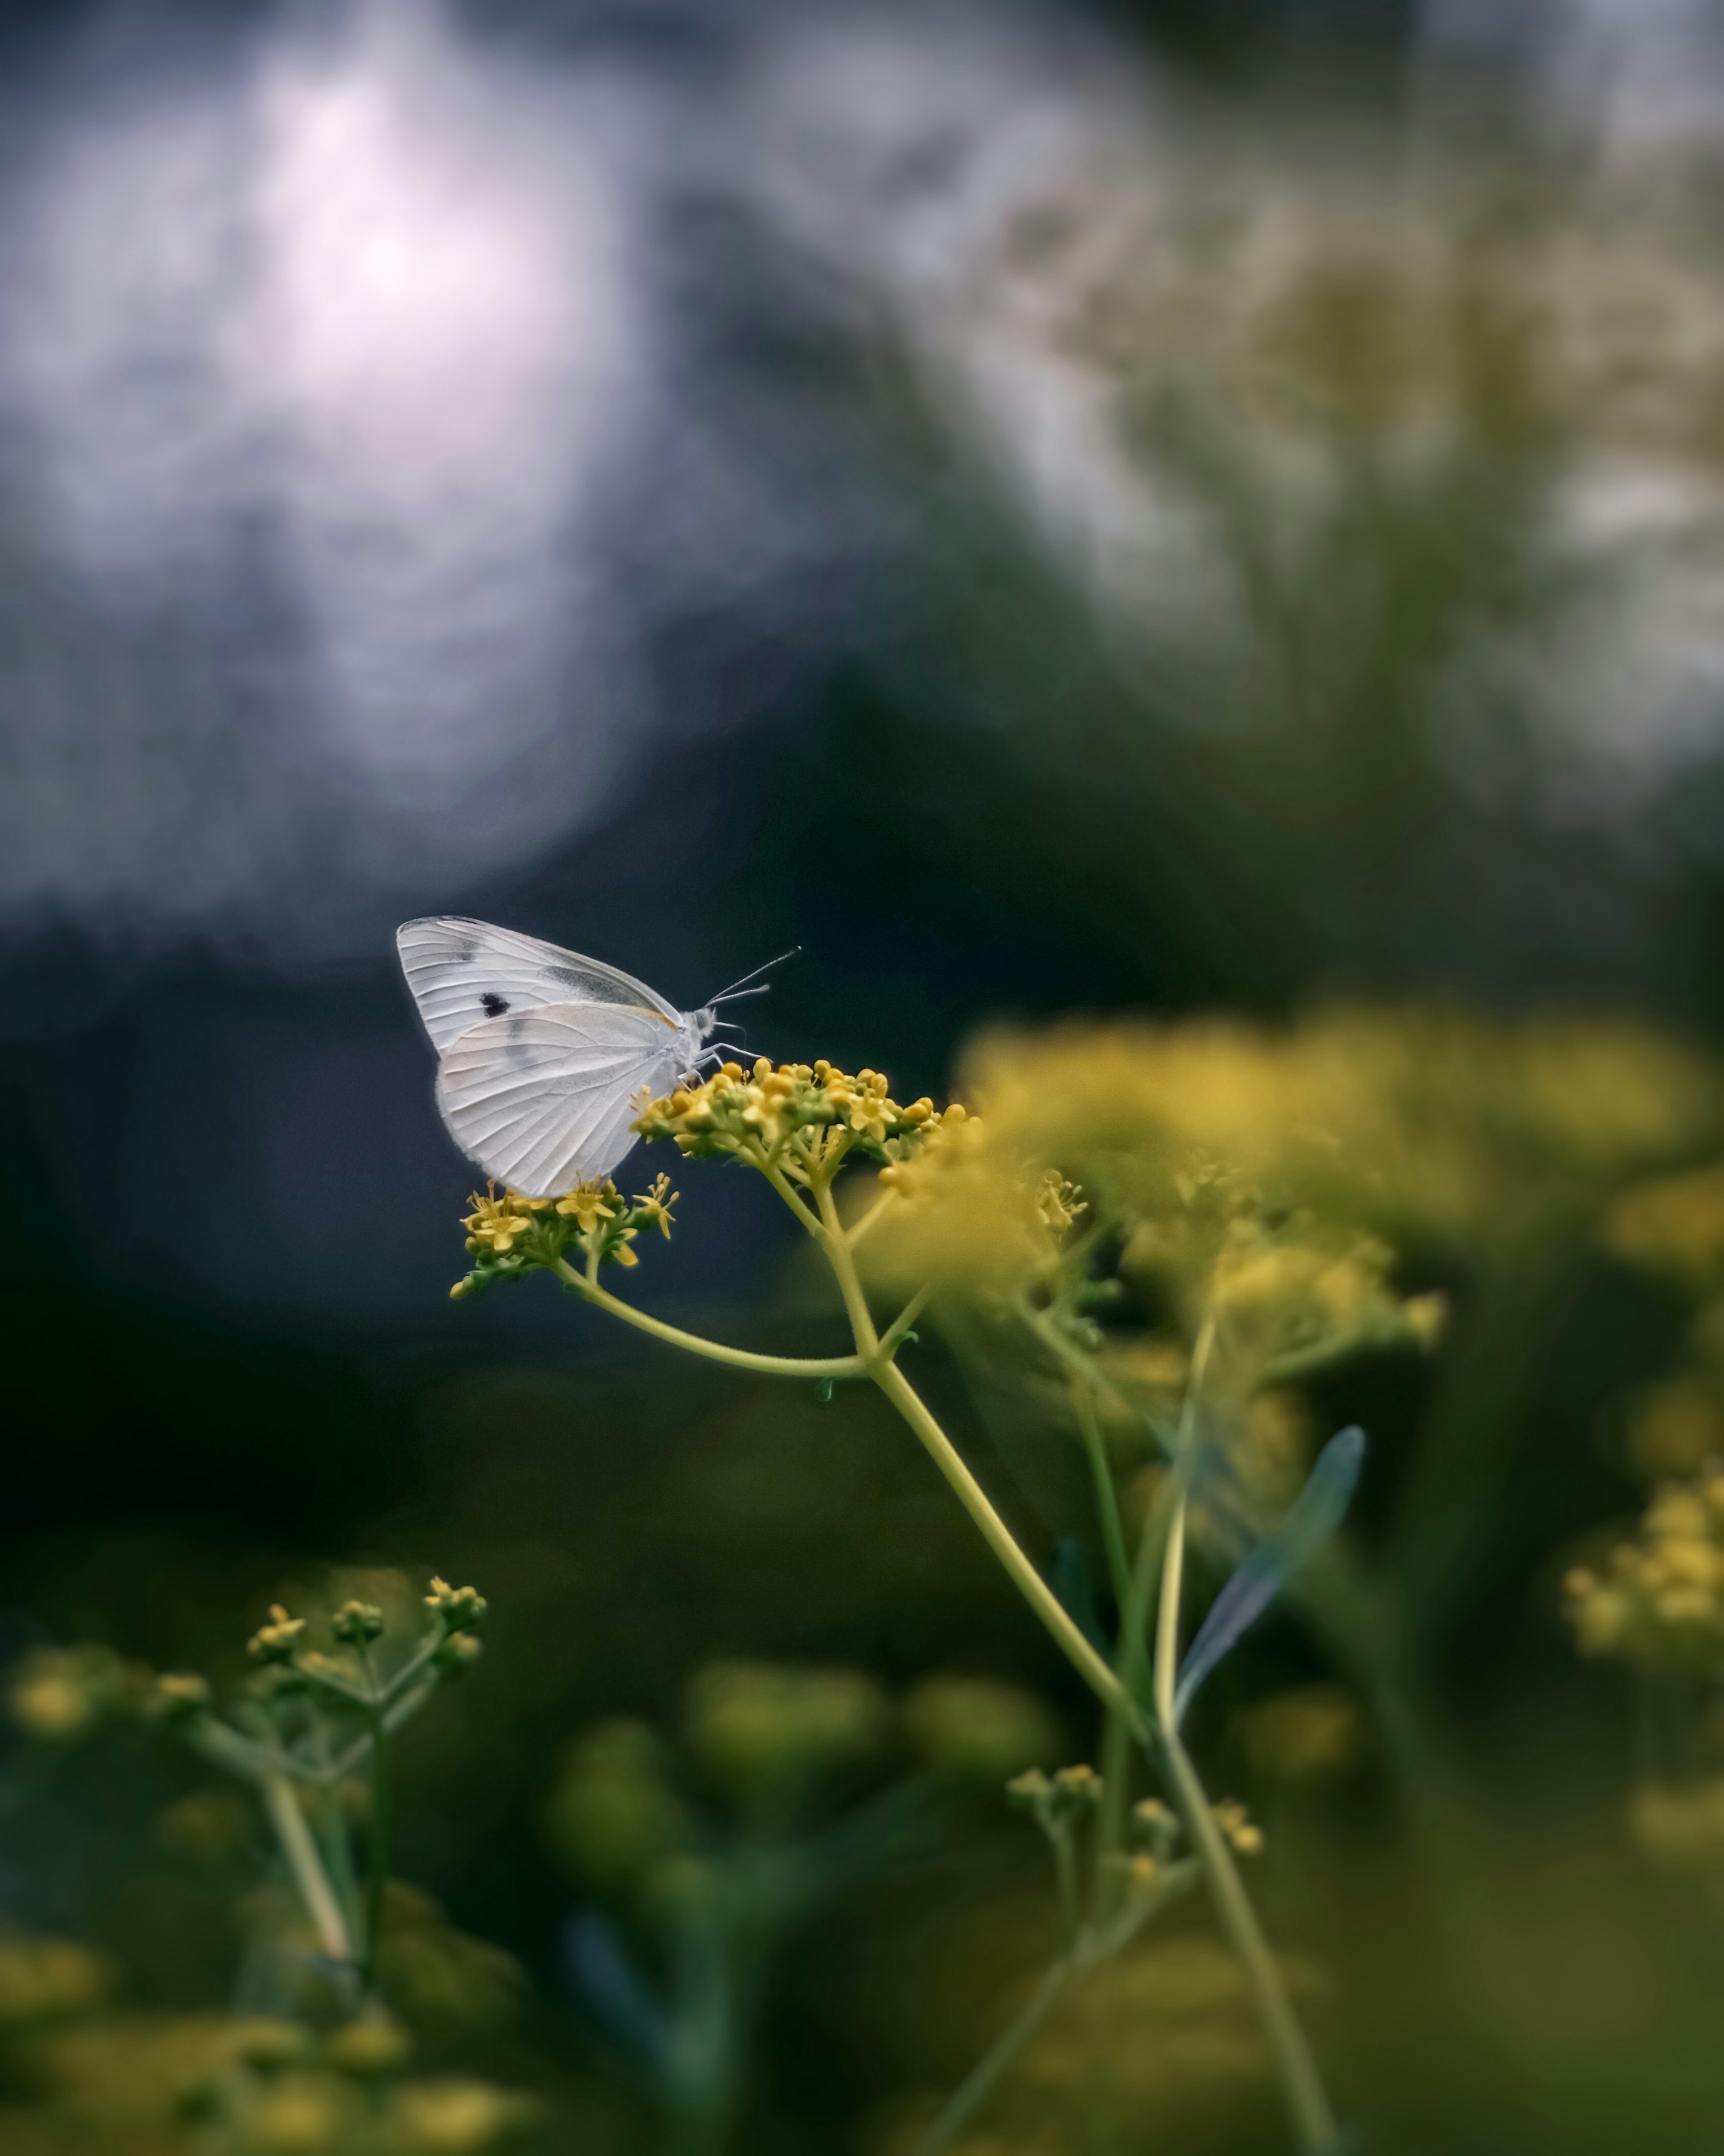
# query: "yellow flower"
870 1112
495 1221
589 1202
1058 1201
652 1209
277 1640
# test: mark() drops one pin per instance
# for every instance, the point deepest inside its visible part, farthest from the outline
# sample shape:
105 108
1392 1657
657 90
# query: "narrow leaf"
1314 1515
612 1985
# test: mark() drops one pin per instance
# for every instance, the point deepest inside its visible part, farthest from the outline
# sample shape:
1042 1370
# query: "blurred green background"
1050 510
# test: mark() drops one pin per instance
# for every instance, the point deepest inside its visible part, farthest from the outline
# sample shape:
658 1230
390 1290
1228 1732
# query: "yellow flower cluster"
1406 1120
1674 1225
1658 1599
255 2084
512 1235
60 1694
802 1118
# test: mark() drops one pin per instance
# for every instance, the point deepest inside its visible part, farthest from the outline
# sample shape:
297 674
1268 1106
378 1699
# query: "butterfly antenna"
723 996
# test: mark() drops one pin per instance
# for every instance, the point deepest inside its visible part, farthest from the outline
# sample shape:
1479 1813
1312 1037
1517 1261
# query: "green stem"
1065 1875
1116 1760
739 1358
1307 2102
295 1839
381 1834
849 1285
1028 1582
1107 1503
995 2063
892 1339
881 1205
787 1190
946 1456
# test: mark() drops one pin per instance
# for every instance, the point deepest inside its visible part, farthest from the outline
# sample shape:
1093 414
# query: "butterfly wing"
543 1099
462 973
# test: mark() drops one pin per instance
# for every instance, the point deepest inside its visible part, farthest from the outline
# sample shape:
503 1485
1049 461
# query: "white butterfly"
541 1054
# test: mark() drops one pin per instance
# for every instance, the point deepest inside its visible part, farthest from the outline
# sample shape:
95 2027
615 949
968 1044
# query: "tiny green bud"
1030 1790
179 1695
459 1651
1153 1823
462 1608
357 1624
1077 1788
277 1640
375 2044
266 2042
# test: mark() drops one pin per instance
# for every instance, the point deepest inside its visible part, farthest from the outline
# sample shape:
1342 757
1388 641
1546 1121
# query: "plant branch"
1107 1502
974 2090
999 1538
293 1837
881 1205
1307 2102
739 1358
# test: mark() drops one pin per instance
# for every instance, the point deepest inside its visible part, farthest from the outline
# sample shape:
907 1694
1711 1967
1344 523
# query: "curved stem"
740 1358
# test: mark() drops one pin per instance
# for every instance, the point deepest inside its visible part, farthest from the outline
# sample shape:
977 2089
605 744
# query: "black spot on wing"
492 1004
570 976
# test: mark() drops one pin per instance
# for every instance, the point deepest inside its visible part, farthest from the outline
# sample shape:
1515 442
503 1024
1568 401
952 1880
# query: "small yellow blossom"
1658 1599
1058 1201
589 1204
800 1120
652 1209
278 1639
496 1223
1235 1822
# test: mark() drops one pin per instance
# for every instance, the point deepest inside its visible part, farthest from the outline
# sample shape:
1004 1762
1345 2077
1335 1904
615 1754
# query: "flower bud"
357 1624
462 1608
278 1640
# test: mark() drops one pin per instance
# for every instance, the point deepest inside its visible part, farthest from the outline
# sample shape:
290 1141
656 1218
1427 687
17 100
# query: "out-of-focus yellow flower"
1673 1225
280 1639
297 2114
762 1724
375 2044
612 1814
1676 1427
41 1979
1681 1825
1412 1121
61 1693
1314 1733
977 1729
1244 1835
1659 1599
455 2116
208 1823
